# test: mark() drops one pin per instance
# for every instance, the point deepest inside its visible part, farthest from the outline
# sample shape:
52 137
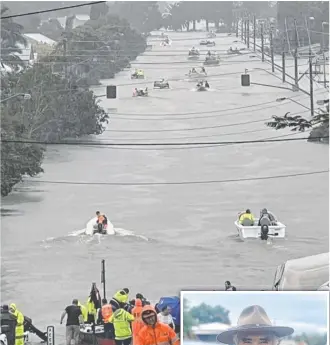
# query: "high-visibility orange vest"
106 312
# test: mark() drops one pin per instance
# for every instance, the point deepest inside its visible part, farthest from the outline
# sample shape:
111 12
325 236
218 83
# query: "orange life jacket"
106 312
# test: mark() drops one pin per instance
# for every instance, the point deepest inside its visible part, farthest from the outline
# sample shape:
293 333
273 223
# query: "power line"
182 182
53 9
40 142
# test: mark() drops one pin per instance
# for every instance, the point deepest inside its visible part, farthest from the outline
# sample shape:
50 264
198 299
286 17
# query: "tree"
98 10
12 40
188 321
205 313
319 124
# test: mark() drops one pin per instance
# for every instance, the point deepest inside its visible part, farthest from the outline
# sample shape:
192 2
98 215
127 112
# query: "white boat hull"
91 226
247 232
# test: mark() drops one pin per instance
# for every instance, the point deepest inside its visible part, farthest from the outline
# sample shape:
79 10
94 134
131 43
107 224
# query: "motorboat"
161 84
193 52
165 43
207 43
256 231
195 74
233 52
92 228
140 93
88 337
137 75
212 60
201 88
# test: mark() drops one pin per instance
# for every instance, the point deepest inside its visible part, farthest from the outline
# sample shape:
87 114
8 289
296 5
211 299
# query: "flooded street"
171 236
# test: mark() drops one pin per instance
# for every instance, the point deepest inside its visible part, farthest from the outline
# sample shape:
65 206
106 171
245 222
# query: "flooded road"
172 236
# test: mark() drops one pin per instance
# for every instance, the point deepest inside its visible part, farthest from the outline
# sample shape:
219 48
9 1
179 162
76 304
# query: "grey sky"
303 311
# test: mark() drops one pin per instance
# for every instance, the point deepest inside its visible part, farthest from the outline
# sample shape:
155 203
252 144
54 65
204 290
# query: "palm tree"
11 38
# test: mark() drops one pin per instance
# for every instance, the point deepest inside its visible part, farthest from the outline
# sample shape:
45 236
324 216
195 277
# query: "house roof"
25 56
40 38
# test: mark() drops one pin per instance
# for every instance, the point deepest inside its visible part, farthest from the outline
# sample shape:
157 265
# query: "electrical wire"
72 143
53 9
247 179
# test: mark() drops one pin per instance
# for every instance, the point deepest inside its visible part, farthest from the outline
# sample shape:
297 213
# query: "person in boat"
231 49
146 91
193 70
246 218
165 317
207 85
9 321
266 218
160 333
105 313
203 70
120 298
137 324
229 287
102 221
209 53
121 320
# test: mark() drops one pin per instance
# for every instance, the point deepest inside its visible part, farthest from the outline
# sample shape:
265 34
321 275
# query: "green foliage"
143 16
312 339
201 314
188 321
319 124
59 108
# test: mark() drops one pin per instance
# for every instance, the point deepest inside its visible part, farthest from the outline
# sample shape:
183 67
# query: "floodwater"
171 237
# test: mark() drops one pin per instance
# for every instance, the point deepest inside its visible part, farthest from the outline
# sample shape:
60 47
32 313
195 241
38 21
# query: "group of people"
13 320
126 321
194 50
266 218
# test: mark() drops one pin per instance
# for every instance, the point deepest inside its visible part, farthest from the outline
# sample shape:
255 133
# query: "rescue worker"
9 322
246 218
106 313
137 323
120 298
19 330
102 221
83 311
121 321
91 311
207 85
155 332
203 70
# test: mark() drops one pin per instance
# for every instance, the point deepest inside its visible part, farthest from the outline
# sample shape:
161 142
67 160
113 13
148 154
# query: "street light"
281 99
26 96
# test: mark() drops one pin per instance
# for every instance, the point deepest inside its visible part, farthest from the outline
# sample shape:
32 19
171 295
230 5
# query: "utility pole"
283 67
241 28
271 48
248 32
311 91
236 25
254 33
65 58
245 30
262 42
296 72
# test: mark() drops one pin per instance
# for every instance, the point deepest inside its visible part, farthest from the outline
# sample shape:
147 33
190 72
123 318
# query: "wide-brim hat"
253 319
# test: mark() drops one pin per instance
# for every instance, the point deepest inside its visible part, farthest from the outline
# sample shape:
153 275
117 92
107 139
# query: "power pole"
296 72
262 42
248 32
254 33
311 90
241 28
65 58
271 48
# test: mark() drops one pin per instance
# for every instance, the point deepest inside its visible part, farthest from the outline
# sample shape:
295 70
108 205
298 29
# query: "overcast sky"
305 312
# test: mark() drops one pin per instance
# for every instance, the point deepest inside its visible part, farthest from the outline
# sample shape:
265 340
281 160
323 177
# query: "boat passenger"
19 330
102 221
137 324
247 218
121 320
231 49
207 85
266 218
9 321
193 70
203 70
105 314
165 317
209 53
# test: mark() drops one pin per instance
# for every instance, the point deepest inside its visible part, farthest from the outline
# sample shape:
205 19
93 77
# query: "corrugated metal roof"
40 38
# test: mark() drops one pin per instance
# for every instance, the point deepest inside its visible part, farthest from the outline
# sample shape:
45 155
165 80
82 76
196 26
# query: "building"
42 45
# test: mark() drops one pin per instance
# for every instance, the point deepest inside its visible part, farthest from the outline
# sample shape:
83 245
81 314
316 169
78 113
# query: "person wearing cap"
155 332
137 323
73 321
267 218
9 321
120 298
254 327
246 218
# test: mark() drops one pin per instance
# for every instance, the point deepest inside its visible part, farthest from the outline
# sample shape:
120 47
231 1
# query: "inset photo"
255 318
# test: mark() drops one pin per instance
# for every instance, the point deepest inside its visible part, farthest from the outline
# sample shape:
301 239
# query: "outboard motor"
264 232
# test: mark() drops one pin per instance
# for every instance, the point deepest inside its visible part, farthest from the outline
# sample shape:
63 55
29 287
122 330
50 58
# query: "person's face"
150 319
256 339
